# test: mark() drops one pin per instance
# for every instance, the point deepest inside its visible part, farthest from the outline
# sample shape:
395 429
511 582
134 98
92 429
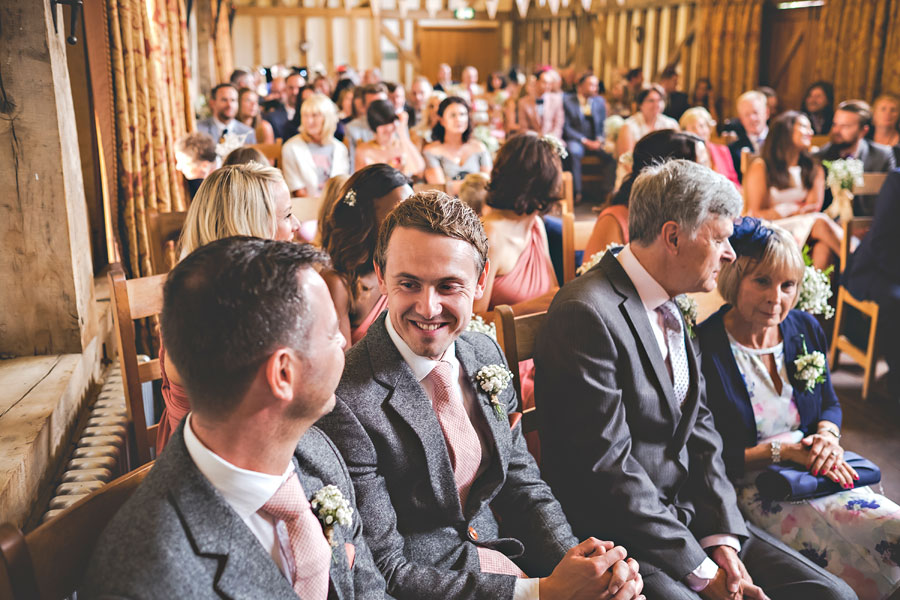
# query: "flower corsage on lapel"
493 379
332 509
810 367
688 308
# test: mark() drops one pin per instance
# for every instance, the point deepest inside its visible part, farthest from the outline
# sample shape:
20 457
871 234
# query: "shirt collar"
246 491
222 125
652 294
420 365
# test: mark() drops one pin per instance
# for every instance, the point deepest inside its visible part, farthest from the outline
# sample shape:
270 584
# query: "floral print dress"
854 534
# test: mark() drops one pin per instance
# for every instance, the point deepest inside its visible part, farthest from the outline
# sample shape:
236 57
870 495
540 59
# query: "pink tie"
311 551
465 455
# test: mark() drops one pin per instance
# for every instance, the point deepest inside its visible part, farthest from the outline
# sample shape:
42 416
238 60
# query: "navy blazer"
874 265
726 391
577 125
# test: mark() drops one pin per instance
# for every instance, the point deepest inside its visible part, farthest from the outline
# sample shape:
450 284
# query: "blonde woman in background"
249 199
698 121
313 156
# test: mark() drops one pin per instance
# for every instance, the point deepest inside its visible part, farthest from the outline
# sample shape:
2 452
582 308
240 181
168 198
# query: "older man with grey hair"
627 441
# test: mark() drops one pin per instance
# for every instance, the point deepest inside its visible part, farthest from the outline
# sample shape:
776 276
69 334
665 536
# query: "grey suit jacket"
177 537
208 126
876 158
423 541
625 460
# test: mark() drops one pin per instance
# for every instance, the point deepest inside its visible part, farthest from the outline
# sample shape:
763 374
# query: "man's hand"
583 573
732 582
625 582
592 144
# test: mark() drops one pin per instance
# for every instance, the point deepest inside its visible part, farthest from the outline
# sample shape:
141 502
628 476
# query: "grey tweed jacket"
177 537
423 540
625 460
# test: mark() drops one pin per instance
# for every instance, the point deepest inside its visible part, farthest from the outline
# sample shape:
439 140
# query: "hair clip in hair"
350 197
557 145
750 237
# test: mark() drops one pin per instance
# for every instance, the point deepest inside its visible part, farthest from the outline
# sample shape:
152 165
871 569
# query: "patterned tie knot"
669 312
441 374
288 502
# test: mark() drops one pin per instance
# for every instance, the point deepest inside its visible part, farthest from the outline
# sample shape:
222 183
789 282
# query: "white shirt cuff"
721 539
527 589
699 577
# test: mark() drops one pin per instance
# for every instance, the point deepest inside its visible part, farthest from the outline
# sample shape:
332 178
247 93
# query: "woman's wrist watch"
775 447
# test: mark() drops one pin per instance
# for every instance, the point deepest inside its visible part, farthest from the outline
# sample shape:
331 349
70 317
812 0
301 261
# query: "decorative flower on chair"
815 289
810 367
594 259
230 141
332 509
843 174
477 323
493 379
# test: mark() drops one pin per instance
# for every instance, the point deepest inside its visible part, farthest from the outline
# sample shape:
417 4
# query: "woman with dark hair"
525 181
703 95
496 82
649 117
785 185
611 226
391 143
818 106
453 152
349 230
249 114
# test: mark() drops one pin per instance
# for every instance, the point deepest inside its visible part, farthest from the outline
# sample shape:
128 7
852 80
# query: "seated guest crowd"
334 429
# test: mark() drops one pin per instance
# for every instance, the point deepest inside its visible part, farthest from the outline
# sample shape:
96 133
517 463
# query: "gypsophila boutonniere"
493 379
478 324
594 259
810 367
332 509
350 197
815 289
557 145
688 308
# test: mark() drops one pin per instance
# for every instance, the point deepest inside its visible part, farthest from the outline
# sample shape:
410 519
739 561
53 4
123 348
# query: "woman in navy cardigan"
769 389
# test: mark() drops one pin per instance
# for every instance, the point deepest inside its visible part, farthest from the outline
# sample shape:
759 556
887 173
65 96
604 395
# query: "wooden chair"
516 336
872 183
568 193
867 357
424 187
271 151
819 141
575 236
134 299
164 230
49 562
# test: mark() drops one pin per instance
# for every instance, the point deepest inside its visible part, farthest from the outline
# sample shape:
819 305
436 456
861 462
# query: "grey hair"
681 191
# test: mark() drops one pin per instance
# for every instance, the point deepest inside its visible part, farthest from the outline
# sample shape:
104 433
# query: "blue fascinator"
750 237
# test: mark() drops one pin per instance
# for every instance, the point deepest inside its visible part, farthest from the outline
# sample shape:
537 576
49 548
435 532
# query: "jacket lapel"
407 397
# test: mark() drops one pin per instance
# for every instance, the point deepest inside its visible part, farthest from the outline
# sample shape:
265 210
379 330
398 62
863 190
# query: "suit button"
473 535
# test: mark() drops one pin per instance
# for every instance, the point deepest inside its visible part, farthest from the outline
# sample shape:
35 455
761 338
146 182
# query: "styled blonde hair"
779 255
692 115
321 104
232 200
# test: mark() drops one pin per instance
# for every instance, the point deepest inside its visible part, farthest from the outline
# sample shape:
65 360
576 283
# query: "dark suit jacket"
727 394
177 537
676 105
625 460
735 148
577 125
389 434
278 119
876 158
875 263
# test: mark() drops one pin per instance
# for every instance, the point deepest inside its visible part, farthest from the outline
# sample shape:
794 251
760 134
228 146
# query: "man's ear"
671 236
482 279
382 286
281 373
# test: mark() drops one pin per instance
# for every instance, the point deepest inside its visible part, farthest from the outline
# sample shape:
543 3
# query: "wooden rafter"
401 50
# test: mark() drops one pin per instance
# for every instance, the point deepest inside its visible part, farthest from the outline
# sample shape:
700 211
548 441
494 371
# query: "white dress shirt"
652 297
246 492
421 366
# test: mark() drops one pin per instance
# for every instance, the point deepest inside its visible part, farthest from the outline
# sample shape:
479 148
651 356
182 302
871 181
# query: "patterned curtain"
224 54
890 75
854 38
148 47
728 38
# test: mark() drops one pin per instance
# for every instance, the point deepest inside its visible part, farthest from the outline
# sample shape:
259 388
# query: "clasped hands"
821 454
732 581
594 570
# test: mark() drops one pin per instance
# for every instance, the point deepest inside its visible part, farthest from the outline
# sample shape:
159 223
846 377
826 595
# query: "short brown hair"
197 146
527 175
859 108
433 211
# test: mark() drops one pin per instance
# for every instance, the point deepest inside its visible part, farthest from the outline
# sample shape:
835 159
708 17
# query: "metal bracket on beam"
76 5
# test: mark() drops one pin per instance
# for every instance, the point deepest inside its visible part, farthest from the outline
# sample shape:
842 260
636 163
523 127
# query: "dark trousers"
887 295
577 152
781 572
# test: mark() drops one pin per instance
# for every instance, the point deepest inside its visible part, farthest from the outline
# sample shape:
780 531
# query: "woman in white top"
649 117
313 156
785 185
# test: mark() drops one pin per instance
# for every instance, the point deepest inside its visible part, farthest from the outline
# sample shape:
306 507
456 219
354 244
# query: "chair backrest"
422 186
164 230
819 141
575 236
517 336
49 562
134 299
871 185
568 193
271 151
856 227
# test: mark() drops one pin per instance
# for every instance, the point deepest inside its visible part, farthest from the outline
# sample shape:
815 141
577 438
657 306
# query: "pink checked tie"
310 549
465 455
674 330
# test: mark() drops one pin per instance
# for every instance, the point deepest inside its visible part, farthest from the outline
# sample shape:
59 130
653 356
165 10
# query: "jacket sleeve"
570 128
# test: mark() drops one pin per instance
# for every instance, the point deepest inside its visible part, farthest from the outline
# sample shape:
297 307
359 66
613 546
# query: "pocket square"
350 550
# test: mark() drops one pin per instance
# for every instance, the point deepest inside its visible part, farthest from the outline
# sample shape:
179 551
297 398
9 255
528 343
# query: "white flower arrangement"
493 379
558 146
230 141
843 174
483 134
332 509
810 368
688 308
594 259
478 324
815 289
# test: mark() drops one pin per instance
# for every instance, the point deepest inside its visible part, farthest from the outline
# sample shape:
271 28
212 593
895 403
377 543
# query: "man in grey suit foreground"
454 504
627 440
226 510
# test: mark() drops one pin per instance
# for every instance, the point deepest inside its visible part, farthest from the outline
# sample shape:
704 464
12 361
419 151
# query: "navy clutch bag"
786 482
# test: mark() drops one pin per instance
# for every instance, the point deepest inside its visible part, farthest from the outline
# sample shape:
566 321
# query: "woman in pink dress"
349 230
698 121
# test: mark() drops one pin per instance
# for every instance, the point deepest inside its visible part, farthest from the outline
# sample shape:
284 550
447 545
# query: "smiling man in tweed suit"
453 503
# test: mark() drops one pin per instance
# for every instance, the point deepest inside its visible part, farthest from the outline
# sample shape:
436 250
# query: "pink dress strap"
177 405
532 275
359 332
